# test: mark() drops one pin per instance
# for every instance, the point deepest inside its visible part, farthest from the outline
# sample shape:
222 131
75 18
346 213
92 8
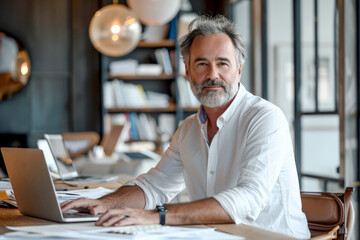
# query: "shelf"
155 44
171 108
142 77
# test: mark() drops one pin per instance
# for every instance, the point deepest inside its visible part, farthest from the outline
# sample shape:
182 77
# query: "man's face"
212 70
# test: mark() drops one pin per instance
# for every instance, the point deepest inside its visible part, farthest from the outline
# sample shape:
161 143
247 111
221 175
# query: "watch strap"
162 212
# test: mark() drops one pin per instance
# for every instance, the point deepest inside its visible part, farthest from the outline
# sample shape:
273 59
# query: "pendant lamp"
155 12
115 30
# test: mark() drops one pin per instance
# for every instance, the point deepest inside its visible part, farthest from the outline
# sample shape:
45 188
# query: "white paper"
63 196
93 193
5 185
90 231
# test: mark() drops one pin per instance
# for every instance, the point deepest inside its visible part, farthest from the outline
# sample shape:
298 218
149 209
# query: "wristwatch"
162 211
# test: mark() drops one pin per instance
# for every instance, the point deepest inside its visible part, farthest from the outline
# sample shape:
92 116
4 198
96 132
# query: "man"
234 156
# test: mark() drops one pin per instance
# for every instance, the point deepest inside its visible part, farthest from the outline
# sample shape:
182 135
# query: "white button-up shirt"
249 167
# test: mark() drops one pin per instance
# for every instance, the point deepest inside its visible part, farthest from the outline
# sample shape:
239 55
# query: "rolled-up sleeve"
165 181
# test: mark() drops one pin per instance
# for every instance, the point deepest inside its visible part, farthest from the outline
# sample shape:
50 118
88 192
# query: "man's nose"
213 72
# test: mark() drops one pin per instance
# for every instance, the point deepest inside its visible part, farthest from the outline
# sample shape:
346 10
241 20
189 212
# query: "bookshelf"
164 117
162 83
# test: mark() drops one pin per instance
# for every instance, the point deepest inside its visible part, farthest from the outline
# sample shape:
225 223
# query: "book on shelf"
118 94
187 98
109 96
173 28
133 68
123 67
158 100
149 69
142 126
163 57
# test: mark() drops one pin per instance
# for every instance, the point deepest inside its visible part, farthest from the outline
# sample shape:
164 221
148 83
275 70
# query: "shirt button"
211 172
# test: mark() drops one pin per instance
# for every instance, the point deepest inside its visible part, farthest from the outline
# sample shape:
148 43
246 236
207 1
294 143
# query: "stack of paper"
94 193
90 231
63 196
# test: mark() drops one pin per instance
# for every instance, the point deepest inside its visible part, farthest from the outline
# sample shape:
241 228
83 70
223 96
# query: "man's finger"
111 217
81 203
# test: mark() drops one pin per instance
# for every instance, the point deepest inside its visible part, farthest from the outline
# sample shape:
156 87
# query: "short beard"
213 98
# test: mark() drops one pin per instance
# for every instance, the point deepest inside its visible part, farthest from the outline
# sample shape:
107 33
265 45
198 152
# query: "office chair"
79 143
329 215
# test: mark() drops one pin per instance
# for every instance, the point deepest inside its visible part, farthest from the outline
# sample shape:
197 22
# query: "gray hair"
205 25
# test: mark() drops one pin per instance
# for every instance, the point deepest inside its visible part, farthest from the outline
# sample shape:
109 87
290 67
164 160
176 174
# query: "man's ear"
186 72
240 70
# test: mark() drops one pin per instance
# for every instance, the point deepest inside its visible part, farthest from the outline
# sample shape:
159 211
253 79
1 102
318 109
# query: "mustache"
213 83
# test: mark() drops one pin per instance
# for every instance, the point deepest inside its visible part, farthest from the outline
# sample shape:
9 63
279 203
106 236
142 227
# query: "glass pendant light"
115 30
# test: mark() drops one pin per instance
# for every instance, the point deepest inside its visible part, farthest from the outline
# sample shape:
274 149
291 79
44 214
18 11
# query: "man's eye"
223 64
201 64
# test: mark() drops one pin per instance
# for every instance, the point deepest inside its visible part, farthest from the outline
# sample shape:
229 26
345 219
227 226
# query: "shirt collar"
229 112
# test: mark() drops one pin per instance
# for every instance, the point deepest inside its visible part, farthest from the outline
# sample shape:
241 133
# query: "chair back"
325 211
79 143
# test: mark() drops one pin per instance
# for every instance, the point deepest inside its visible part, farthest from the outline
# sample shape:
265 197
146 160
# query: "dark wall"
62 93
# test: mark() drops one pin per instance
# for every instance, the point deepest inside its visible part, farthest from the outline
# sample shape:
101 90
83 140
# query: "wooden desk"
12 217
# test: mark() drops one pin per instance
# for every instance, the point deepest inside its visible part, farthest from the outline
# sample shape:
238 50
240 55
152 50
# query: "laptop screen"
62 158
50 161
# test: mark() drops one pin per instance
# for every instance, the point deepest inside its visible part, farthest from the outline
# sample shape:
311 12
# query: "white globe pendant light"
155 12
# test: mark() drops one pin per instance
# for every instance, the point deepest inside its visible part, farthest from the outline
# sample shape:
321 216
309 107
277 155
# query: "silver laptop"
60 163
33 186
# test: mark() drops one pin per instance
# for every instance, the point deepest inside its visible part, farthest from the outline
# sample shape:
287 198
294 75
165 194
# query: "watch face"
161 208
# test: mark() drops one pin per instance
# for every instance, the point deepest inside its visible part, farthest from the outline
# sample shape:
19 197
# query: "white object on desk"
4 185
90 231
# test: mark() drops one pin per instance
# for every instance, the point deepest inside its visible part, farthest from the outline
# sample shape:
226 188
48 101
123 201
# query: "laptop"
33 186
60 163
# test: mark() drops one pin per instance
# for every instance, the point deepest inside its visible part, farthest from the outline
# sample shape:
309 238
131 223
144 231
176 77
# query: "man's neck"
212 115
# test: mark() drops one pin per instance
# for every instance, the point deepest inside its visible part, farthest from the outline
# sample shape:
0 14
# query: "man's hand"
128 216
92 206
127 197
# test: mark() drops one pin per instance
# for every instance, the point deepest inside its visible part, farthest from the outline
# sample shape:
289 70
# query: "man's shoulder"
193 118
254 103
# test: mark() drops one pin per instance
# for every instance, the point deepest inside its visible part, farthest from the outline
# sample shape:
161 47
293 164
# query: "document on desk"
5 185
90 231
63 196
93 193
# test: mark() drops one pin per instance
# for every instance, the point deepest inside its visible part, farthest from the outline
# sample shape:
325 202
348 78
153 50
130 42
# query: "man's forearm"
127 196
199 212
